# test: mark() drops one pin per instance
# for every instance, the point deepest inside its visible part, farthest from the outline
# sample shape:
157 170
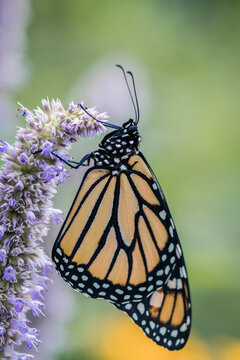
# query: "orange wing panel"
138 274
70 239
144 189
158 229
101 264
92 177
149 248
139 165
94 234
128 207
119 273
178 313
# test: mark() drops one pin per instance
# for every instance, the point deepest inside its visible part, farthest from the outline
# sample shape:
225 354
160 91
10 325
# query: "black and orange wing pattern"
165 315
118 240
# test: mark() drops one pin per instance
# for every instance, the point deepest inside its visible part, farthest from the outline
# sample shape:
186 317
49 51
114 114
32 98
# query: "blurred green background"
185 56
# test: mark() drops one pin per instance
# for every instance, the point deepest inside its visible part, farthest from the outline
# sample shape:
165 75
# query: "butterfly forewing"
118 240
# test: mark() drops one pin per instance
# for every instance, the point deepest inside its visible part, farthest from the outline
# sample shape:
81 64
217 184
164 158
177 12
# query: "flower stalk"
28 181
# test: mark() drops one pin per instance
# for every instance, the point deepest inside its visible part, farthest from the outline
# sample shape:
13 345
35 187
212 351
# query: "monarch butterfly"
118 241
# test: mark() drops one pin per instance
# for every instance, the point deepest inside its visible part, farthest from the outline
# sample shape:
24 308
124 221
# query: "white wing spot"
59 251
174 333
138 296
102 293
150 288
178 251
171 221
171 247
56 259
128 306
123 167
84 278
183 327
162 330
160 272
172 284
147 331
154 186
164 257
184 274
167 269
74 277
119 291
179 284
152 324
163 214
134 316
141 308
171 231
105 286
96 285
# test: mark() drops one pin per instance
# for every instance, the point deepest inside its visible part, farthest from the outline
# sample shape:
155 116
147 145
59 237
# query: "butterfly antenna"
125 77
102 122
135 93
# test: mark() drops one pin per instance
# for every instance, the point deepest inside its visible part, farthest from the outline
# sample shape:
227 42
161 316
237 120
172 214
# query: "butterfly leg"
77 164
70 162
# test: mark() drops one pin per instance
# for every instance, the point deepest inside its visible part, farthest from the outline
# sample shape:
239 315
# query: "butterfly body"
119 242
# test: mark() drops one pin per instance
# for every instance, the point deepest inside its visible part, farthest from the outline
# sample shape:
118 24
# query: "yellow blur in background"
185 56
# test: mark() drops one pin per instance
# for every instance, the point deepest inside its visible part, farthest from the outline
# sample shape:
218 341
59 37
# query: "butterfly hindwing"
165 315
118 240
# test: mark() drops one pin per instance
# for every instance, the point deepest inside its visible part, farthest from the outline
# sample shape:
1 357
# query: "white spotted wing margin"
165 315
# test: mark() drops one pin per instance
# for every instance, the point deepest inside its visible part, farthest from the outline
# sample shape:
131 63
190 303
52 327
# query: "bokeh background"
186 57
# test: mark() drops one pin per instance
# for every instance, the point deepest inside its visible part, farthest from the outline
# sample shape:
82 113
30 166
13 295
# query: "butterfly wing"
118 240
165 315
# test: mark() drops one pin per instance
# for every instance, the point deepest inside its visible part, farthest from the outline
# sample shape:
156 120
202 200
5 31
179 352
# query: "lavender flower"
46 148
55 213
3 256
2 231
9 274
3 146
27 183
